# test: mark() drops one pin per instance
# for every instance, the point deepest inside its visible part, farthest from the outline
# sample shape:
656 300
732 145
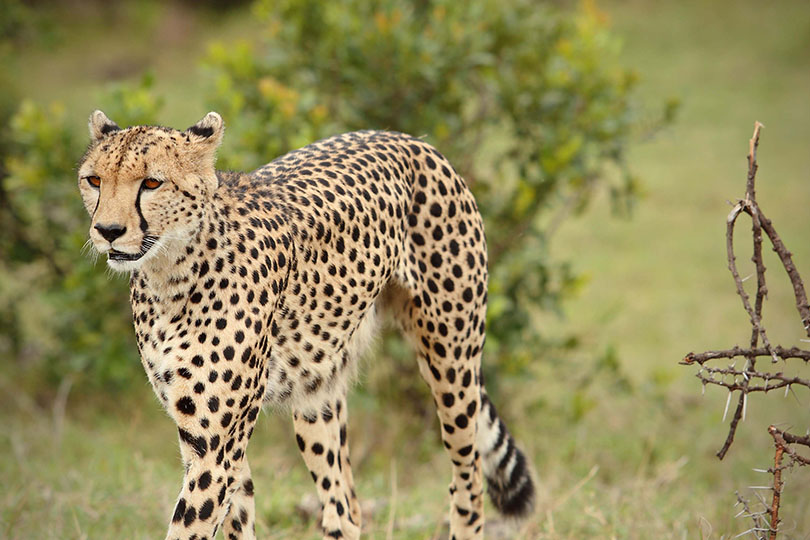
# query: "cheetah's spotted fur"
265 287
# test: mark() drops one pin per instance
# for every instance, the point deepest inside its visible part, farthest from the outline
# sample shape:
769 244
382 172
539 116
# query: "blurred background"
603 140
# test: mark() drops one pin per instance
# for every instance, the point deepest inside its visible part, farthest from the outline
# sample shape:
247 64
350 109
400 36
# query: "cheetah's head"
146 188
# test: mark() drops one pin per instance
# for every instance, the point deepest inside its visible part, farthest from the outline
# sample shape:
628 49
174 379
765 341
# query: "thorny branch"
760 523
749 379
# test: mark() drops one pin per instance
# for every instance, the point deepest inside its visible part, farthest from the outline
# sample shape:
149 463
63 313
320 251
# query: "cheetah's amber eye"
94 181
151 183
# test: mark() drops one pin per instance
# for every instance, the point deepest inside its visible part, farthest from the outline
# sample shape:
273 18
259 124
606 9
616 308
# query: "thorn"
728 400
745 405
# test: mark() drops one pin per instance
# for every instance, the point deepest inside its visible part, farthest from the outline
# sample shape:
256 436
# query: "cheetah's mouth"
146 244
116 255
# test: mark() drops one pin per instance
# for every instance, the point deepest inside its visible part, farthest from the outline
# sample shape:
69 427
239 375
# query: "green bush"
528 102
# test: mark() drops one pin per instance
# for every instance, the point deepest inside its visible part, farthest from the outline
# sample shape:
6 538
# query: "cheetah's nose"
110 232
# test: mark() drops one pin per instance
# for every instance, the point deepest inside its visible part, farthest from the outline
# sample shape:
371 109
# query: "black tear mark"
203 132
144 224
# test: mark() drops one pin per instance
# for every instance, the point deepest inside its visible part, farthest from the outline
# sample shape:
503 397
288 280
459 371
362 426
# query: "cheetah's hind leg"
240 521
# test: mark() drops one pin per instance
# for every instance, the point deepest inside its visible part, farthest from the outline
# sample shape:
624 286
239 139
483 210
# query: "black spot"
204 480
206 509
186 405
440 350
467 379
191 515
179 510
199 444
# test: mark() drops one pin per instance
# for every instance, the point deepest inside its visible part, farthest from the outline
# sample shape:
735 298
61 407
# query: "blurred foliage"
22 23
528 102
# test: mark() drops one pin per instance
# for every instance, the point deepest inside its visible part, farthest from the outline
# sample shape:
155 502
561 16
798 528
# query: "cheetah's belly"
301 371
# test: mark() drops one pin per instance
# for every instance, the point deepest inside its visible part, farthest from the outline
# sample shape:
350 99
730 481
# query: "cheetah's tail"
509 479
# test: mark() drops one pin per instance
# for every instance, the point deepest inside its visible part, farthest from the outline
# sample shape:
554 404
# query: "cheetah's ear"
100 126
204 137
207 131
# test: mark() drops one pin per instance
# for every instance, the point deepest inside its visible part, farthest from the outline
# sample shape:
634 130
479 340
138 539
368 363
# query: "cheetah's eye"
151 183
94 181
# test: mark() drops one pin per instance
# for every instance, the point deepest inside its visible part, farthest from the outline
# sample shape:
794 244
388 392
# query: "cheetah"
264 288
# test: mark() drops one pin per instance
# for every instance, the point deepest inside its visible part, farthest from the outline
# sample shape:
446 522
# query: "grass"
618 461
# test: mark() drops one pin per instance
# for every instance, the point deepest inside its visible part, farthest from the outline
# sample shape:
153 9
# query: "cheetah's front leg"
207 488
216 473
318 433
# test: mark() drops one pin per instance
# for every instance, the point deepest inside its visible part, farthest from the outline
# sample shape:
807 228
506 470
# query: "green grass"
611 463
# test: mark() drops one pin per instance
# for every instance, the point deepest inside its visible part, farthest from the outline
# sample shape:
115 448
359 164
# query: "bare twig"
757 517
753 144
732 266
780 379
784 440
795 279
777 489
750 379
784 354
